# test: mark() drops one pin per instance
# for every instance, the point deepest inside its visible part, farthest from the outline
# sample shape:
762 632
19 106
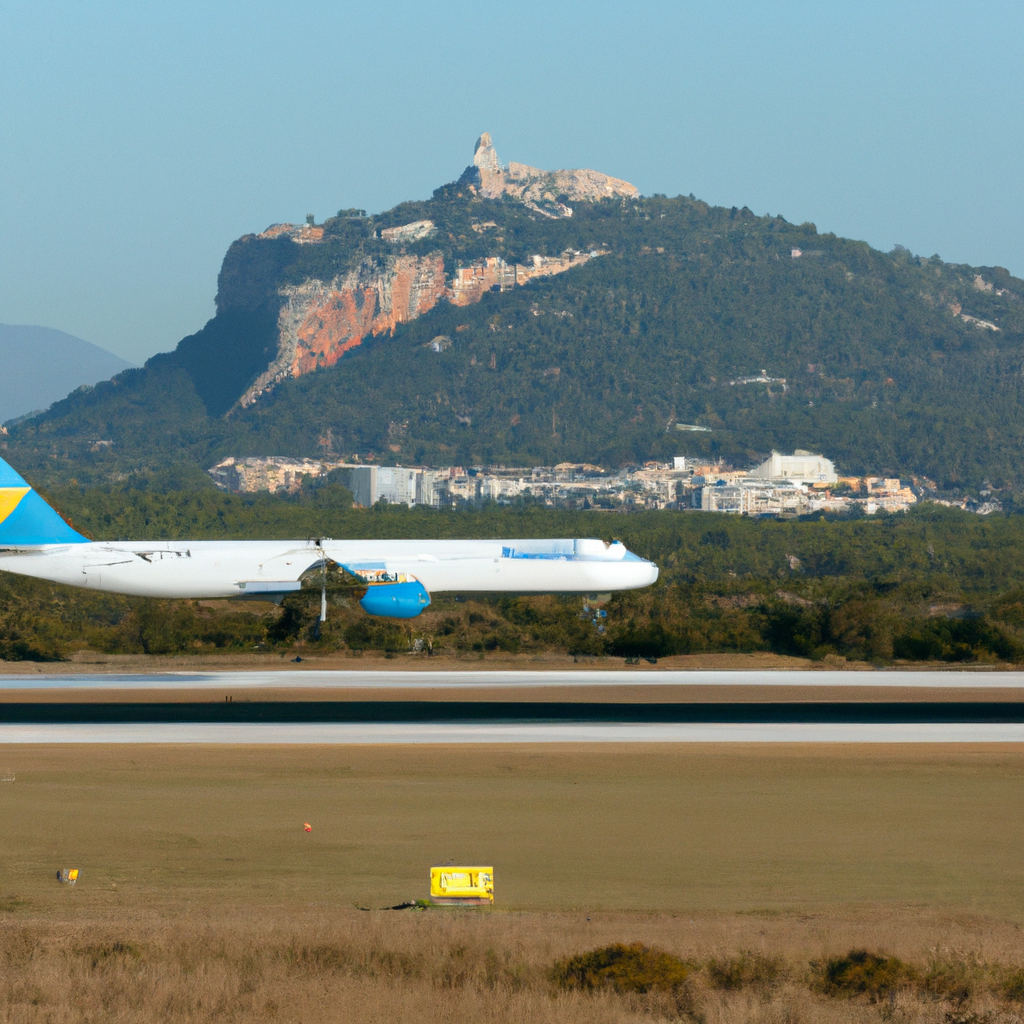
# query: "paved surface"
518 712
510 731
336 733
383 680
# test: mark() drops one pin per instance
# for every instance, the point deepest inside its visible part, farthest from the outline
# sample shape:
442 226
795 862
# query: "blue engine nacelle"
396 600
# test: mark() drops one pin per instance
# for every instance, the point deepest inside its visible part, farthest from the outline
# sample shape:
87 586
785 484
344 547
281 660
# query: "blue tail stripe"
34 522
8 478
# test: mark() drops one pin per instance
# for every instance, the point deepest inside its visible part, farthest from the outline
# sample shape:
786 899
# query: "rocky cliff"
320 320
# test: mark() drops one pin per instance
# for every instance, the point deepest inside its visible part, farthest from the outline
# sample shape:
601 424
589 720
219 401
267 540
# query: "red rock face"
415 285
339 319
470 283
332 326
320 321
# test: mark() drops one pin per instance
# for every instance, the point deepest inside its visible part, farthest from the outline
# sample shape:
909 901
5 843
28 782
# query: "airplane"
399 575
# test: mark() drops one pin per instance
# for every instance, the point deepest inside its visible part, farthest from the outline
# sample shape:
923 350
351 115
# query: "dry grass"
459 966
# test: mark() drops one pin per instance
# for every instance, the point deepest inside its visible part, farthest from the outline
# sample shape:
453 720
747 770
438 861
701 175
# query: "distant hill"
39 365
524 316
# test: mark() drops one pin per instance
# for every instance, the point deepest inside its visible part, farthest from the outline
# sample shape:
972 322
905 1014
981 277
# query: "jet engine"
404 600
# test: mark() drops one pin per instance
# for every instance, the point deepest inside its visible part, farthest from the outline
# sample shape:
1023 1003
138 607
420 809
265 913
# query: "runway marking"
449 680
356 733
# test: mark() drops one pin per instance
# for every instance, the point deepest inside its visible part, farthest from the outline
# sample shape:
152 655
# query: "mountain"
526 316
40 365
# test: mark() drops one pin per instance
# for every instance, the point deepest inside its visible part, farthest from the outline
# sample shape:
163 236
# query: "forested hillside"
892 364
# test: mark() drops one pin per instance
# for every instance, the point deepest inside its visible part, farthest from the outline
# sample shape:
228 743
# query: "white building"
800 467
362 482
396 485
755 498
431 485
500 488
464 487
723 499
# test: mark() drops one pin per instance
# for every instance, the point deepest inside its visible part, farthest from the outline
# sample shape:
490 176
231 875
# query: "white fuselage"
217 569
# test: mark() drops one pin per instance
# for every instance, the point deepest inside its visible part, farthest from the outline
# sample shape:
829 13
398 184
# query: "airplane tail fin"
26 520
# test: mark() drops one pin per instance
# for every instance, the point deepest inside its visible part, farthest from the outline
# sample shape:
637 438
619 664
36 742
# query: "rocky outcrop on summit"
549 192
488 168
321 320
304 234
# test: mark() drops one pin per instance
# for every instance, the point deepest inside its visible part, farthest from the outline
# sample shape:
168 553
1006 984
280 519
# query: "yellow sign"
470 886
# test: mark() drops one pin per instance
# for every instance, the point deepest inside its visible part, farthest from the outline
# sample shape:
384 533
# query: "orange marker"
307 827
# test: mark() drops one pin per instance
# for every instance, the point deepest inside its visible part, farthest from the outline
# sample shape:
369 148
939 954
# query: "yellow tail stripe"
9 498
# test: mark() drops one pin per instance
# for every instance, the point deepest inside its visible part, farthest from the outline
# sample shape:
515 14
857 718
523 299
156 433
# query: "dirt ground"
633 693
94 662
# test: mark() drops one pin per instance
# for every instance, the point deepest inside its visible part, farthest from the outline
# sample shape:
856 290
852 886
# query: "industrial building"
801 467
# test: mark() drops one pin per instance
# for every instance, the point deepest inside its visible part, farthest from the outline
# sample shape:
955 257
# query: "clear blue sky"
137 140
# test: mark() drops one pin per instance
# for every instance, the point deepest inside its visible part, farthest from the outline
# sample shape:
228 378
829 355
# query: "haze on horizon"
140 141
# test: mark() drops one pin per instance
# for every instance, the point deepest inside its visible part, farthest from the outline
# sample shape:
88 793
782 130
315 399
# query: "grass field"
201 897
607 827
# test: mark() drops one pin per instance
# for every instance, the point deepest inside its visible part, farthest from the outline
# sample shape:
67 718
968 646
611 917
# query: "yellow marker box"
462 886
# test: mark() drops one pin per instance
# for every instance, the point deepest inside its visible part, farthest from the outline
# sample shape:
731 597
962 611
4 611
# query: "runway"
310 706
508 733
298 678
449 713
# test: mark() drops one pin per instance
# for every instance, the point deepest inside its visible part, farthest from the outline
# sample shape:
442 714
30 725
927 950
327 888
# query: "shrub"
622 968
14 648
746 970
863 973
1013 985
954 640
647 641
367 634
954 979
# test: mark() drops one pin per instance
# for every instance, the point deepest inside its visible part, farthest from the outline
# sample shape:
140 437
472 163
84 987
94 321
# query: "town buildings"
242 476
782 486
